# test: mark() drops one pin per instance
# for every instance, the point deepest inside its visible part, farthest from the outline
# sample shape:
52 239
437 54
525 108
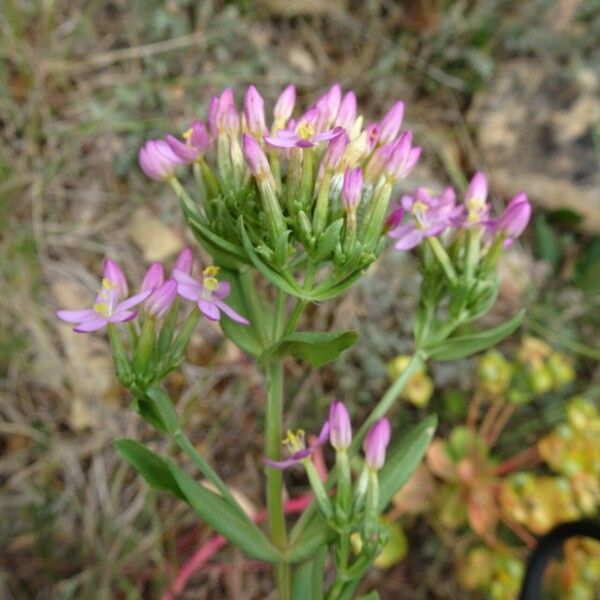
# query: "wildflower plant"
293 210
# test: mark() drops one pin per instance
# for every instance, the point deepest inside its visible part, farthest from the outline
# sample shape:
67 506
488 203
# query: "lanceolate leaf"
463 346
225 519
404 458
315 347
150 466
164 475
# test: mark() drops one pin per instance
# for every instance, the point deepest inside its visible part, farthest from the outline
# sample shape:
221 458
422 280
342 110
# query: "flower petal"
279 142
123 315
234 316
76 316
92 324
409 239
223 290
209 309
133 301
182 277
189 292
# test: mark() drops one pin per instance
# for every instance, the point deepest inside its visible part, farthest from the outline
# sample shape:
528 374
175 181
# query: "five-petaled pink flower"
296 443
109 307
304 135
209 294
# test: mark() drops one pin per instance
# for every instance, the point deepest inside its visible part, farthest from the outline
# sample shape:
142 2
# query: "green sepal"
404 457
212 241
326 291
462 346
327 241
281 251
315 347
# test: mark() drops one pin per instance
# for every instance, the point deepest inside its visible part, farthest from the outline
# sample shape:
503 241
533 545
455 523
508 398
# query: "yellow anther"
419 207
306 130
187 134
211 271
294 440
107 284
101 309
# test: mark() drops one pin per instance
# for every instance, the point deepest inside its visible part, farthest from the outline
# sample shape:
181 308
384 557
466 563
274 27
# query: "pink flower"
157 159
328 105
430 216
295 441
304 135
197 142
335 151
209 294
113 273
108 307
376 443
154 277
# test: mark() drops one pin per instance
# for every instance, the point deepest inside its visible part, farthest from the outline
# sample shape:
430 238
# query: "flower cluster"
156 295
319 184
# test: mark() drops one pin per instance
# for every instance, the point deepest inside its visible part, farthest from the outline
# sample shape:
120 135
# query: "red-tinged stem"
199 559
527 458
474 407
490 417
520 531
503 418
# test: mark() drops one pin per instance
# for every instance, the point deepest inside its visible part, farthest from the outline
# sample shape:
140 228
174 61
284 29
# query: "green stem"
387 400
301 304
472 257
273 426
443 259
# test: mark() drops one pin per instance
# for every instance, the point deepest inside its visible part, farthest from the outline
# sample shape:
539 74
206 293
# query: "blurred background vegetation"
505 86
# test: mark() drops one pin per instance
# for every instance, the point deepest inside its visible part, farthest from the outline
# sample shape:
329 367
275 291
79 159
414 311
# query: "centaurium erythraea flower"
515 218
163 293
197 142
209 294
347 112
109 306
351 189
389 126
305 133
284 107
376 443
185 261
254 113
430 216
296 444
157 160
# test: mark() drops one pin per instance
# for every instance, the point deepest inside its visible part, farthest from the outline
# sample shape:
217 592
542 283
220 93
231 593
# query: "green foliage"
315 347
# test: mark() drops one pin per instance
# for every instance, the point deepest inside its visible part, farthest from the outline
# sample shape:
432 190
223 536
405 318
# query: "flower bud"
335 151
394 218
154 277
161 299
352 188
255 158
391 122
516 216
115 275
475 199
376 443
328 105
340 432
284 107
347 112
157 160
254 112
399 156
185 261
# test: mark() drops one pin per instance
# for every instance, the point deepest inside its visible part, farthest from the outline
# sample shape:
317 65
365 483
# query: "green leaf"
374 595
327 241
163 407
273 276
225 519
307 578
463 346
315 347
327 291
213 240
404 458
314 536
154 469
